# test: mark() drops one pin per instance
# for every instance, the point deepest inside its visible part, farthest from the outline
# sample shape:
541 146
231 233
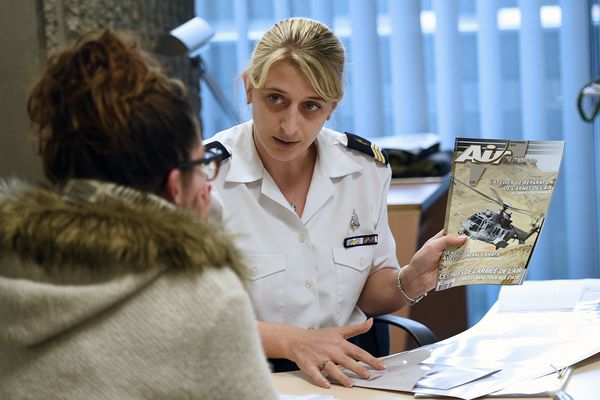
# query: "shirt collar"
246 165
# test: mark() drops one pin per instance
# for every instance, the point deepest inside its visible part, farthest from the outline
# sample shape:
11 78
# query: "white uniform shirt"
299 272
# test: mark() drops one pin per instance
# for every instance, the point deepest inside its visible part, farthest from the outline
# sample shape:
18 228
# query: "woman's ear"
174 187
333 107
247 87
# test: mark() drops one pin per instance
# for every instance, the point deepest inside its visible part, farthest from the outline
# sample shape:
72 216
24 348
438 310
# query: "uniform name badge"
363 240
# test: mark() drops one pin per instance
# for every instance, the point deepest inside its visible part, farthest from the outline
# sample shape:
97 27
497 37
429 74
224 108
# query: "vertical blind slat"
322 10
281 9
489 67
531 55
449 98
242 51
533 97
409 90
366 81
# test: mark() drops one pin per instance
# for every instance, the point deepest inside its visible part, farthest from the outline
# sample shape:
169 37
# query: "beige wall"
21 52
30 28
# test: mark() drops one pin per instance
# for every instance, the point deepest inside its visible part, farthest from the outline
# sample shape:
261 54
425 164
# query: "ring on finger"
323 364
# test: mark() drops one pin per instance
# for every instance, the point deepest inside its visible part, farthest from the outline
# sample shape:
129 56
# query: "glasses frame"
213 154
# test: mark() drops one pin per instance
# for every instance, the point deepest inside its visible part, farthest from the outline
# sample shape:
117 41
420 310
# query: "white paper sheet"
402 371
561 295
544 386
446 377
525 344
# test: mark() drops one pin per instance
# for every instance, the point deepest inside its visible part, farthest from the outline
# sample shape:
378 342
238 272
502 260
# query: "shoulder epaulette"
219 146
364 146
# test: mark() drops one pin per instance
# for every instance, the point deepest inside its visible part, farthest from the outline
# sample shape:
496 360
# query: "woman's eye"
312 106
275 98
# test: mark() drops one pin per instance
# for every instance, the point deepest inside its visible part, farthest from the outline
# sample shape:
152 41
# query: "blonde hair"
308 45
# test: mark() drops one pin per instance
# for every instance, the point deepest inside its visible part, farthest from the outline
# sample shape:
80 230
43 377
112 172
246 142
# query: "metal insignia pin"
354 222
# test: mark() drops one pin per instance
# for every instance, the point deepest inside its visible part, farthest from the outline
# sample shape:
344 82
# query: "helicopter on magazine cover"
496 227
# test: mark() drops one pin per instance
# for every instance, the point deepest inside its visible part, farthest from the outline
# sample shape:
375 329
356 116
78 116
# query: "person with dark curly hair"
113 282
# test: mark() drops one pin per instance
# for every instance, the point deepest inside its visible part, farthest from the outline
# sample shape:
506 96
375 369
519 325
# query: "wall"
20 42
30 29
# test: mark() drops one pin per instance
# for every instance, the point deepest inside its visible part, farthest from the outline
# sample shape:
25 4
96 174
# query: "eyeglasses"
209 164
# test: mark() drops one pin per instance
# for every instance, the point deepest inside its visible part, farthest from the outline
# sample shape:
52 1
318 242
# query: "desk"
583 385
416 211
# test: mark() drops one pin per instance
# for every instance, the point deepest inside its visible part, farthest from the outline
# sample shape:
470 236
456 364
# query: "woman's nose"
290 121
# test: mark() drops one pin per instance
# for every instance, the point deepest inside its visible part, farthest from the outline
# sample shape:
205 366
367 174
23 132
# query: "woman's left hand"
420 275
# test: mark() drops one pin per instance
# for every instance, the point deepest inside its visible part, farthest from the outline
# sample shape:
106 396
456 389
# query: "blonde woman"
309 207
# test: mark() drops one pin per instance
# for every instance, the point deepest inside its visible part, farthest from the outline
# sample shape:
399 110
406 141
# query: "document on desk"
544 386
525 345
405 370
532 331
402 371
557 295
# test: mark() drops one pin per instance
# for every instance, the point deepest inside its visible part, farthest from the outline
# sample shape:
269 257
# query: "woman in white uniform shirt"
309 207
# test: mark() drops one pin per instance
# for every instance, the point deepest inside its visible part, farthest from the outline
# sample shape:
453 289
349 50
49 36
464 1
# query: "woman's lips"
283 143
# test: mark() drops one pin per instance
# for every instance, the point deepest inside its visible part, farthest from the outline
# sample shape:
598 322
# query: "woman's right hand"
324 351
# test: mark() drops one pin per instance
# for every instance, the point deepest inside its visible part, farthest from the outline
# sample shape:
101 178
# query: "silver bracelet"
409 300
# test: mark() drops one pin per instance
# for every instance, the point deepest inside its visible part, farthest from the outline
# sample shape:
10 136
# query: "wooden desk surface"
584 384
415 193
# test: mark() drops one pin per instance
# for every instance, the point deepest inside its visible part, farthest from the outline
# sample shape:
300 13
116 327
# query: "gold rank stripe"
377 153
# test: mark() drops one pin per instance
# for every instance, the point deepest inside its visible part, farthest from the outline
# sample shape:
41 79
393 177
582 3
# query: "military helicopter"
496 227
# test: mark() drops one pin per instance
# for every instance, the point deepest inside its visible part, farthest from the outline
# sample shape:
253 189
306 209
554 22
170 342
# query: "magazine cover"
499 195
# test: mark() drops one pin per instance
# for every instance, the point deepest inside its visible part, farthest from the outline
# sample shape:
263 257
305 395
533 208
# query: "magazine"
499 195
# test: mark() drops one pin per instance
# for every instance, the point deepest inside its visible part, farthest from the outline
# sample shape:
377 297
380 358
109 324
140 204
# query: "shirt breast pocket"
265 276
352 269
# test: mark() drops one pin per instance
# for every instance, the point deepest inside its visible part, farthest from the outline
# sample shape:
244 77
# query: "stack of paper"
532 331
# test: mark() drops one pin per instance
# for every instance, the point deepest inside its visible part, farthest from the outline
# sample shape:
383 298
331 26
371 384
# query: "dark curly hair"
103 110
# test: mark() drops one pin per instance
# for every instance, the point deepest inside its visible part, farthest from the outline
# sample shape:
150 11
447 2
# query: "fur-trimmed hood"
68 254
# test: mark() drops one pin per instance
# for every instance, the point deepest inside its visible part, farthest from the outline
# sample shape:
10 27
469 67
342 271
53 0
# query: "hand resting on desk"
318 352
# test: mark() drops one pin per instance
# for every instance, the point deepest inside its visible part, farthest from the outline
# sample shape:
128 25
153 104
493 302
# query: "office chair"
376 341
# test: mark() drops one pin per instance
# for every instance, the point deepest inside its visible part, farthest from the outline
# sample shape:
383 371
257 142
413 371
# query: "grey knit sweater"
108 293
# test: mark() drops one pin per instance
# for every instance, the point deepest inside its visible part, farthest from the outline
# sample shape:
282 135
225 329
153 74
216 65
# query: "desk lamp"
189 38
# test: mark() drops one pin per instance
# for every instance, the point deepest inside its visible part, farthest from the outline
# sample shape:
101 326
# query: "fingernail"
366 375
